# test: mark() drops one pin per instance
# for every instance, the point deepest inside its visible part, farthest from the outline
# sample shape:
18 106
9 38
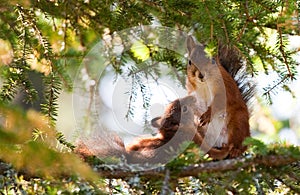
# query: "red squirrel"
222 108
175 127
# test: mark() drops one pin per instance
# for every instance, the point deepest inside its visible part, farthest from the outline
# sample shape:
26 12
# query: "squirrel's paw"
205 117
221 153
234 153
227 147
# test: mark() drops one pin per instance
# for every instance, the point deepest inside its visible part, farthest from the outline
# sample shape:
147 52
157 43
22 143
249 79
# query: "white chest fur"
216 131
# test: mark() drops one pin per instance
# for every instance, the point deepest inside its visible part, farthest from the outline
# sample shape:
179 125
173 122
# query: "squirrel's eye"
184 109
190 62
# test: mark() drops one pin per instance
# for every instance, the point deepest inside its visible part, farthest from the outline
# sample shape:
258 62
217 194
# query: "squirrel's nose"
201 76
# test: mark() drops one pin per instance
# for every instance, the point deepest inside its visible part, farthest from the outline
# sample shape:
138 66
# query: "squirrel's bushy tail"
231 59
105 145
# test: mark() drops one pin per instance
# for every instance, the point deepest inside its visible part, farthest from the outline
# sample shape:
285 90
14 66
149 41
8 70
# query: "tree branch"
195 170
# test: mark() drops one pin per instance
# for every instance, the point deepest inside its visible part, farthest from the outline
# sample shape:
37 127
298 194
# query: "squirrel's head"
178 112
198 62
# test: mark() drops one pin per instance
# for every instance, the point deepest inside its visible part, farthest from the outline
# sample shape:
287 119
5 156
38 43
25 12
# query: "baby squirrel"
174 127
221 103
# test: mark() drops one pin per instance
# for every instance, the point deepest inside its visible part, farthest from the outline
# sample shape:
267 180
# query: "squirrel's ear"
156 122
190 44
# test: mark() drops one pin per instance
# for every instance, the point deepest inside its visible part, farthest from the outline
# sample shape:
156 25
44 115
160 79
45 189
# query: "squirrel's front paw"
205 117
234 153
227 147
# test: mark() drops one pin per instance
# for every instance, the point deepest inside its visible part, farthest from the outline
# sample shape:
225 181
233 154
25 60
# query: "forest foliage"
49 38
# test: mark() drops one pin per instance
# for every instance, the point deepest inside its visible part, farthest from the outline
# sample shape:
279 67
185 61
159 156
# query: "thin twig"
276 85
143 69
128 113
211 24
225 31
246 23
281 48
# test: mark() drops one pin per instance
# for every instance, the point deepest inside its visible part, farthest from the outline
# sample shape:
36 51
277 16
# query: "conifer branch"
242 31
225 31
274 86
211 23
144 69
283 53
207 167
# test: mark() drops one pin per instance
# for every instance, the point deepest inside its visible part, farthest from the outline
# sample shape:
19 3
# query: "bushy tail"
231 59
104 146
110 148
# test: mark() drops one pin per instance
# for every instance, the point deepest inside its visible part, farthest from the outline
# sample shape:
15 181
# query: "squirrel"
174 128
221 97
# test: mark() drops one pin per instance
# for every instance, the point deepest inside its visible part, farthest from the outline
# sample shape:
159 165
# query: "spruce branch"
52 91
211 23
207 167
284 55
269 89
143 69
242 31
132 97
225 31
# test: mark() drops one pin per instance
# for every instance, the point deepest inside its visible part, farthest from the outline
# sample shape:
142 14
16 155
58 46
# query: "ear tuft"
156 122
190 44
